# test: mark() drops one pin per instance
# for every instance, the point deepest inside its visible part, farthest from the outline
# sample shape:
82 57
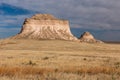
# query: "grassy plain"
58 60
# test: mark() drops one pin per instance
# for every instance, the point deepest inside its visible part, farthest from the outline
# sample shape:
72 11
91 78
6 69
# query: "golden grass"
12 71
94 70
61 58
30 70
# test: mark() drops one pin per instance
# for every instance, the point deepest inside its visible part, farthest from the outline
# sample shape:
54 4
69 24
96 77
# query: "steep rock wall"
45 26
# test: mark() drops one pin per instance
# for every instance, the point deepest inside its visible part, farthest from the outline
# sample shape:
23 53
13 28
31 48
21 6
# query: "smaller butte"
89 38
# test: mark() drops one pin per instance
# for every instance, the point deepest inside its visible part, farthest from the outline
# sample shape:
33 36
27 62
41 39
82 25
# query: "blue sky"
100 17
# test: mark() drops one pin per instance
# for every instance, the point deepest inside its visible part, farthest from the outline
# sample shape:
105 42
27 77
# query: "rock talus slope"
45 26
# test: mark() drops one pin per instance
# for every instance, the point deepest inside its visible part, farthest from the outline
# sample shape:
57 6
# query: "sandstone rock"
88 37
45 26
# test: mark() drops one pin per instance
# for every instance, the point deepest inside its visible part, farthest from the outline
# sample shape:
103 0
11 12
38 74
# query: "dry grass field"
58 60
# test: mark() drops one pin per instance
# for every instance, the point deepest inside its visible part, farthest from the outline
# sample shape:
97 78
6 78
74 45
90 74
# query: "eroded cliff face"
45 26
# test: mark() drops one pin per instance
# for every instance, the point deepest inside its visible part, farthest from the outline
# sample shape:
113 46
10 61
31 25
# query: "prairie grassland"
58 60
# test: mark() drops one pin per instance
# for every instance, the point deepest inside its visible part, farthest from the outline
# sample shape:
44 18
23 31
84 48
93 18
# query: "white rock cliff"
45 26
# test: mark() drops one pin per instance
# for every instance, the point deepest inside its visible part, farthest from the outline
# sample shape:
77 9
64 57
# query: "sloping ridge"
45 26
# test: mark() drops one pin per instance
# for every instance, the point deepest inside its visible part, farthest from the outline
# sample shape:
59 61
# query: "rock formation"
45 26
88 37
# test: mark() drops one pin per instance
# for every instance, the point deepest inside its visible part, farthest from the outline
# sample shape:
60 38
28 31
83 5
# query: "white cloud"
92 14
12 20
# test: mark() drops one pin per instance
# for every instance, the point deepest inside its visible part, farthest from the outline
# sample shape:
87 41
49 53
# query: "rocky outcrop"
45 26
89 38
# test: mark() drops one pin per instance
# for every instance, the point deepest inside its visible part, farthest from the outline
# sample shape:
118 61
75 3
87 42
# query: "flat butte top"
44 17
